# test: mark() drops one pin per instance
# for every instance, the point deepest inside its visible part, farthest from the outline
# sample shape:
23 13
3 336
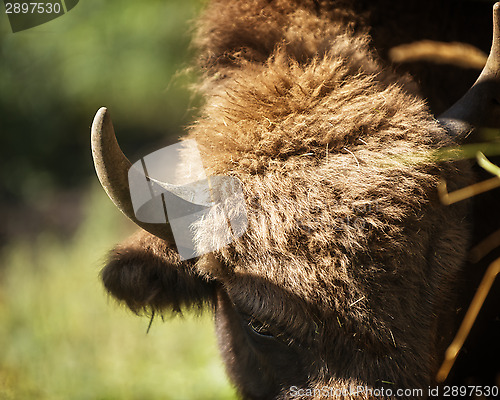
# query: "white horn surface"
112 169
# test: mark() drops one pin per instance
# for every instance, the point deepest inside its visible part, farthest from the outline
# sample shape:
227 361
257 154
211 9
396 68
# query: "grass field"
62 337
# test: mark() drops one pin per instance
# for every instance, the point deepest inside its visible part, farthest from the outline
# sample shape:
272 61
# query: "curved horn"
112 169
480 106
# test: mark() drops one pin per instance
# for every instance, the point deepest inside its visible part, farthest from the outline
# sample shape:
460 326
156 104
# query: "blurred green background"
61 337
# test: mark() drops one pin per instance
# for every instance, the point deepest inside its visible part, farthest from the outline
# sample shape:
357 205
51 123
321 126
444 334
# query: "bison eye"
257 327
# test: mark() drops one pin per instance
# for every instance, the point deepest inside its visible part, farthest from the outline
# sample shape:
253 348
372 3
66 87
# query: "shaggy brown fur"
349 261
140 269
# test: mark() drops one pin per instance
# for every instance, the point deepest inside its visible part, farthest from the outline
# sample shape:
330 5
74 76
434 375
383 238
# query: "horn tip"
496 14
101 127
100 116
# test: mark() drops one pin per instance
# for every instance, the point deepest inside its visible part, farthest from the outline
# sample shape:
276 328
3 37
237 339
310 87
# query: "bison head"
344 281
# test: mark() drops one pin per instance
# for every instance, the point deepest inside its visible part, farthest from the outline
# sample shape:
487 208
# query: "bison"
346 282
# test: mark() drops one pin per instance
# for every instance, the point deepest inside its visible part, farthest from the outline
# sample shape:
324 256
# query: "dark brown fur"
139 270
349 259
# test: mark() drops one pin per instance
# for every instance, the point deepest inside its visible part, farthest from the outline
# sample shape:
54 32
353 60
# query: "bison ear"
146 274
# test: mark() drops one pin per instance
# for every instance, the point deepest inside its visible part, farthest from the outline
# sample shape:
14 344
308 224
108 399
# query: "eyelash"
258 327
